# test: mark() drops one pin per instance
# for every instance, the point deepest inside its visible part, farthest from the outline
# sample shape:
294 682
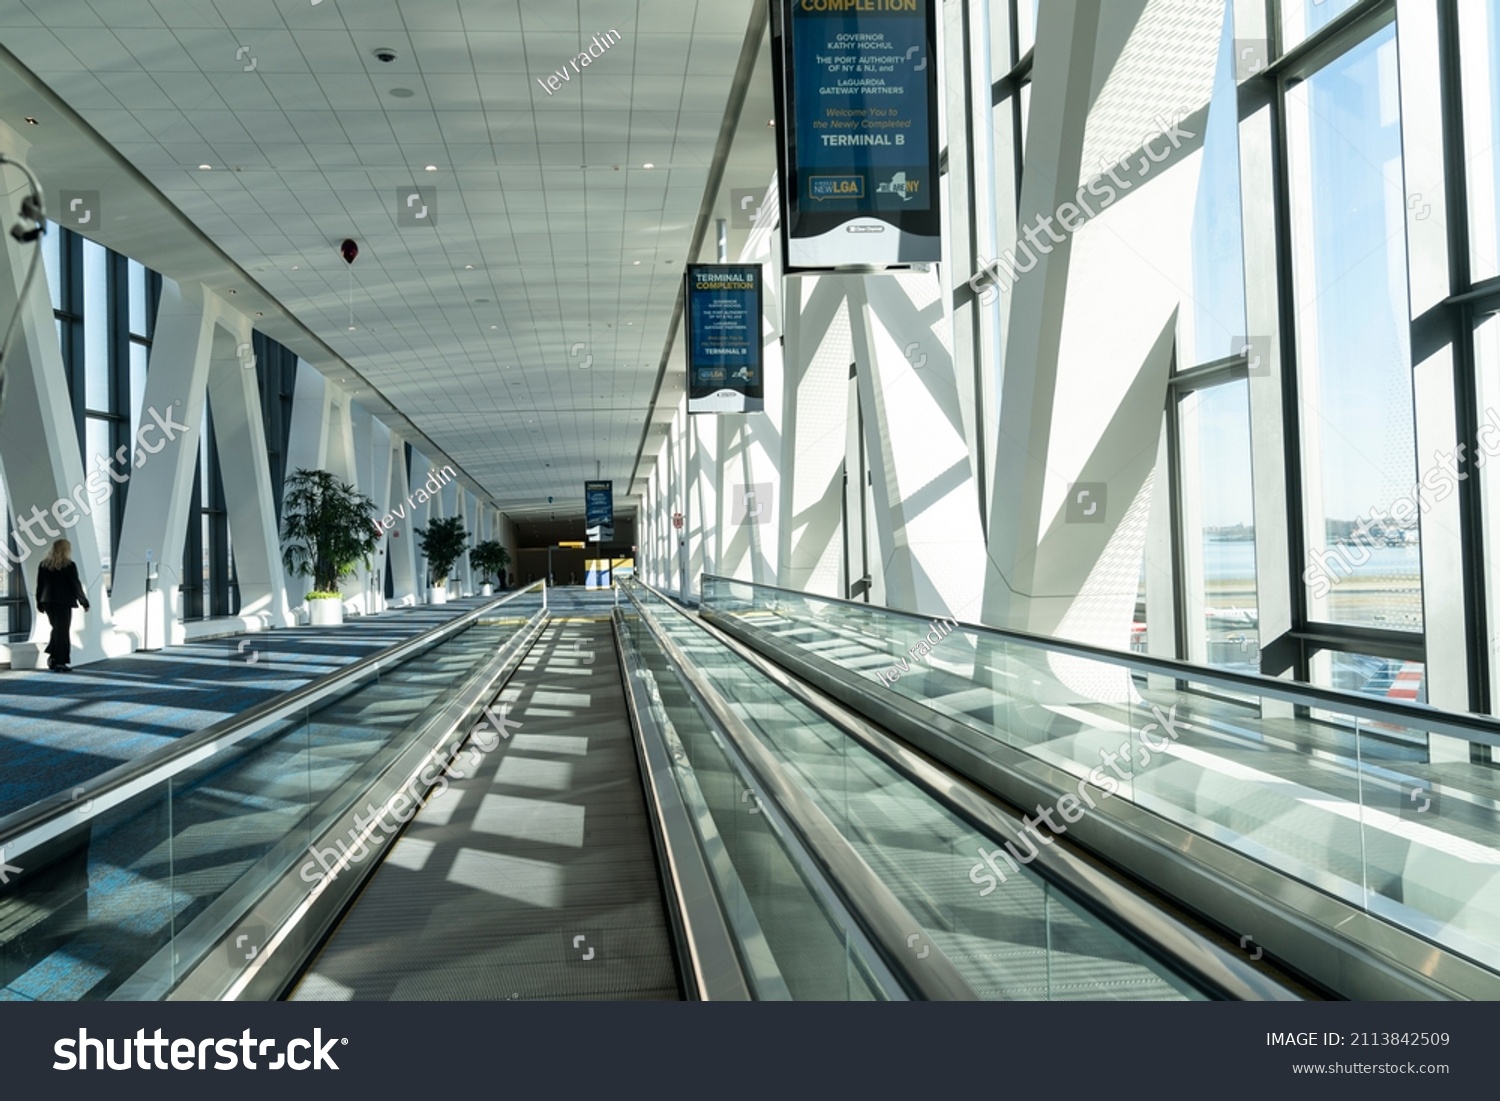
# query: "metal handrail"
51 817
1420 716
887 920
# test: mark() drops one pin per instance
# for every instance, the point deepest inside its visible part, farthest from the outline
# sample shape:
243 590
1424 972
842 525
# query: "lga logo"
836 187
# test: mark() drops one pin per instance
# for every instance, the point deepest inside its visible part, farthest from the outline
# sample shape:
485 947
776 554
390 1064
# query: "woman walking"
58 592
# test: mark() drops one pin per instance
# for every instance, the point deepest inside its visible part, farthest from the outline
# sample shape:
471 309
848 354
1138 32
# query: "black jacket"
60 587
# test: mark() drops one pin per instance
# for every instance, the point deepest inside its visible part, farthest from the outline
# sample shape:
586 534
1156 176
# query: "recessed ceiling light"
205 167
648 164
431 168
468 267
636 263
296 267
494 326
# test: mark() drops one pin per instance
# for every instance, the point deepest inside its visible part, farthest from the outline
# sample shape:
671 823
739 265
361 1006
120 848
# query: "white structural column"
380 492
819 352
161 486
240 440
42 466
471 525
757 504
922 477
699 517
1099 272
343 462
813 357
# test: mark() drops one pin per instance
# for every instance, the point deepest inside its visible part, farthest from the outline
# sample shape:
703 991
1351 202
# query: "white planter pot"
436 595
487 590
326 611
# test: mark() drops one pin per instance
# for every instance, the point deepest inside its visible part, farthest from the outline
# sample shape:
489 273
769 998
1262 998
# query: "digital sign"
725 357
857 109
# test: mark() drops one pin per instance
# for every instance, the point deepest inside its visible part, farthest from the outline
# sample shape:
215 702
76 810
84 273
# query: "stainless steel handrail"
1474 728
886 919
42 821
717 971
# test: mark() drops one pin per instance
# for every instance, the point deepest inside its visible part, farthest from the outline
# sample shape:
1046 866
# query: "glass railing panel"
129 897
1386 814
90 908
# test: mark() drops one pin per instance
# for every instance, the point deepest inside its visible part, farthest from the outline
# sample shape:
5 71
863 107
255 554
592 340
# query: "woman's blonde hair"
59 556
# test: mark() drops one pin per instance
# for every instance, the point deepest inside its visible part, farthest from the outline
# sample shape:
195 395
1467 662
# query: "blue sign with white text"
725 358
861 89
599 504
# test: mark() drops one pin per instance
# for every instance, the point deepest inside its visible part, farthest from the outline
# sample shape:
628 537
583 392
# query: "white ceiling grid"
467 324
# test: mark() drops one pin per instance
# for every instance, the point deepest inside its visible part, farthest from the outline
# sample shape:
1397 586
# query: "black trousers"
60 645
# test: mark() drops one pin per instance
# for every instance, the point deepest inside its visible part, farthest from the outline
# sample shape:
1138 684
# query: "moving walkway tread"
531 877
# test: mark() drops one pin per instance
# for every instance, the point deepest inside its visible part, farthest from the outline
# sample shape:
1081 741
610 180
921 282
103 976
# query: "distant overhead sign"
599 510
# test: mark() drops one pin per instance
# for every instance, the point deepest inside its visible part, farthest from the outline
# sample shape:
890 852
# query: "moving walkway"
618 800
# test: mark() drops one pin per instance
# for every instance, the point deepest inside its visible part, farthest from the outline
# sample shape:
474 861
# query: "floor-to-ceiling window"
1361 518
1209 411
210 586
104 306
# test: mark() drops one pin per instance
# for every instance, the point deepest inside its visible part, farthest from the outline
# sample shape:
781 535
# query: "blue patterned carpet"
61 730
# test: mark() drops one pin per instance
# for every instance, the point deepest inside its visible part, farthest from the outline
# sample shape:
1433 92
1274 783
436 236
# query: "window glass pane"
51 257
1026 12
1479 49
137 298
1218 525
98 444
1300 18
1487 443
1389 678
1025 114
138 357
95 328
1138 640
1218 306
1355 386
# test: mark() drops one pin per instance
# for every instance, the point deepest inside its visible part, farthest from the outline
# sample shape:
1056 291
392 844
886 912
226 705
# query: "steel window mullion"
1459 318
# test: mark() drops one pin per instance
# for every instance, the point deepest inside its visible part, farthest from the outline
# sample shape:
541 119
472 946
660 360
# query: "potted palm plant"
489 557
326 532
443 542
